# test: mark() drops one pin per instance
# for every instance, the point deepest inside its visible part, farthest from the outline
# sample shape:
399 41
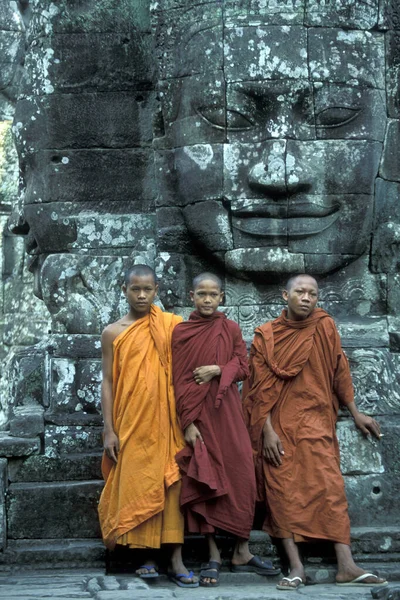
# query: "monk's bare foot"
148 568
178 568
294 579
241 554
350 574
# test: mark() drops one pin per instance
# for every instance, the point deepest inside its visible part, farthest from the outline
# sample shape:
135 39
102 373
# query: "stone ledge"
15 446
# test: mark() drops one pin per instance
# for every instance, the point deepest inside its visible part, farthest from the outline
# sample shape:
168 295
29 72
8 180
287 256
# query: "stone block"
265 53
112 120
251 317
39 468
95 175
209 224
247 293
370 540
342 13
27 422
14 446
269 12
263 260
358 455
349 112
192 111
84 283
363 332
393 71
75 346
389 168
61 440
53 510
11 53
366 66
184 45
376 376
172 234
201 165
64 553
3 489
75 386
393 293
389 15
171 271
27 377
386 231
110 16
370 499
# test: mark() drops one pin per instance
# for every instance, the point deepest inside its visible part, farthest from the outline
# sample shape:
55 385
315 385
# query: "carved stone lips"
293 218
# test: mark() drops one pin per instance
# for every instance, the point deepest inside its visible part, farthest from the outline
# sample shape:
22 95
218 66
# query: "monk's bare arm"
272 445
110 439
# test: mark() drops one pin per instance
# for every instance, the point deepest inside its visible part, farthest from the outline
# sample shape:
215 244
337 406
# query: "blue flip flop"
177 578
148 575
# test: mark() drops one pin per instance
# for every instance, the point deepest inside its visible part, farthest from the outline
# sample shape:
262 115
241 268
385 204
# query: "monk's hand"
272 446
111 445
192 434
206 373
367 425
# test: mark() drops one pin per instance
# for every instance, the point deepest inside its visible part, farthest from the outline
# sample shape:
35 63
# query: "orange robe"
139 505
299 374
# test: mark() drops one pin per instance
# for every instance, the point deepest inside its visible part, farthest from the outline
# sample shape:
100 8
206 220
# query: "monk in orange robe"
299 376
139 506
218 483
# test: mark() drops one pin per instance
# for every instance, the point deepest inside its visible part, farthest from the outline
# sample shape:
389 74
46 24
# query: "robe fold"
138 487
300 375
218 482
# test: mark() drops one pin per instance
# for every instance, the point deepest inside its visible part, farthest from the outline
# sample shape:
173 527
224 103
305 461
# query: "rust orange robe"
218 483
299 374
139 493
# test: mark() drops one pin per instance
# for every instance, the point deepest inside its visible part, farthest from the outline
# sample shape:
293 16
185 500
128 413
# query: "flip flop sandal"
148 575
292 588
210 570
360 581
256 565
177 578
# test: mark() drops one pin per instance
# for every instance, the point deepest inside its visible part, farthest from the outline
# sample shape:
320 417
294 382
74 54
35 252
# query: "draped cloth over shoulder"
218 484
145 421
300 374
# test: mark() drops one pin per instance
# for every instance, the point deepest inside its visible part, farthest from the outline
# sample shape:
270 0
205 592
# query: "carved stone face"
271 141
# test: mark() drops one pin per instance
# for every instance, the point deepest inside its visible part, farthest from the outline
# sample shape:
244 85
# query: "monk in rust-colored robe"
218 486
139 504
299 377
299 373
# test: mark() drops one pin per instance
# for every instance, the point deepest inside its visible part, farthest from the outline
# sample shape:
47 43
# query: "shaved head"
292 281
139 271
203 276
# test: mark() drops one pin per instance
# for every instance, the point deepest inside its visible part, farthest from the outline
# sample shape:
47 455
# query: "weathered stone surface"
14 446
393 72
359 455
114 120
364 332
263 11
34 510
243 260
85 175
347 13
27 422
376 373
75 386
209 223
72 467
386 237
389 168
251 317
66 552
171 229
59 440
367 56
3 516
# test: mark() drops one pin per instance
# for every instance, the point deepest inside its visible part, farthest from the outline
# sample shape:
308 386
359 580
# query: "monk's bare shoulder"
113 330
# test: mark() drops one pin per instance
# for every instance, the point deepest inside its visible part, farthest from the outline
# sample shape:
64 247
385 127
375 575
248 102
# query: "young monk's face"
206 297
301 298
140 293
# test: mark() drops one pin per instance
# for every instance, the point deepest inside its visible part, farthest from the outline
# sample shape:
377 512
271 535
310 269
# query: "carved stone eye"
336 116
225 119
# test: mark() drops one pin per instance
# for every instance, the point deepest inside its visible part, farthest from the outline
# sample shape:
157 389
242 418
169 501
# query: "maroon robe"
218 483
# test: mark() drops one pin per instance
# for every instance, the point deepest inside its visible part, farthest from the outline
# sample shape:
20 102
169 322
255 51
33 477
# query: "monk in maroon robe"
218 483
299 375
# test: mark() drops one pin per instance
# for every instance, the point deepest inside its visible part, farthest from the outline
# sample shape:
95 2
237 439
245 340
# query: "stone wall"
254 138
